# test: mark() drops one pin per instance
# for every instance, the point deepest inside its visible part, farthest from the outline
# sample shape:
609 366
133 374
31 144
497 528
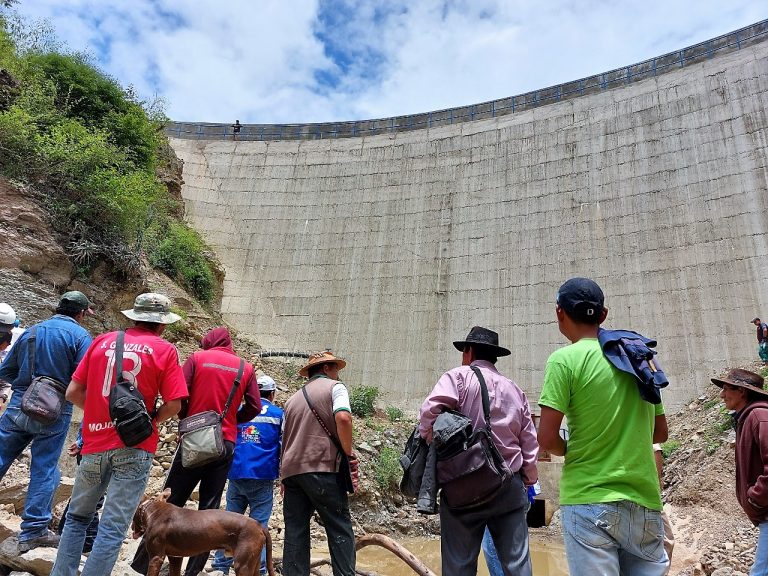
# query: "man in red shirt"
108 466
210 374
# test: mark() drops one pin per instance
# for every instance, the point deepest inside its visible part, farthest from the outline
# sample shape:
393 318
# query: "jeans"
122 473
248 493
182 481
491 557
614 538
760 567
305 493
17 431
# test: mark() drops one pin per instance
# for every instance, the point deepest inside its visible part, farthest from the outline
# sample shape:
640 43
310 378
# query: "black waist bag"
127 409
43 401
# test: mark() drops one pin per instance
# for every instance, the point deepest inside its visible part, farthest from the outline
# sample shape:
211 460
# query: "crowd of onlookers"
476 423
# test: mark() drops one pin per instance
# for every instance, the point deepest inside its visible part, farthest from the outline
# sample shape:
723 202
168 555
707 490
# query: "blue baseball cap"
582 299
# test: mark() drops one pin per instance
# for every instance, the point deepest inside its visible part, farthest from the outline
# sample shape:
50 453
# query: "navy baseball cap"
582 299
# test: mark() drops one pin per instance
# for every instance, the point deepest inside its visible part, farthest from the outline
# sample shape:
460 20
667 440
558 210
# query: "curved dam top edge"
726 43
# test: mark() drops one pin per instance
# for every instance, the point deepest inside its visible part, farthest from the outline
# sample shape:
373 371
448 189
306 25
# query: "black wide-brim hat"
742 379
482 337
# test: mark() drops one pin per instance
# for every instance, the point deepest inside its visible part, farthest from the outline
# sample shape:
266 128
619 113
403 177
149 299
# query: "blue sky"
326 60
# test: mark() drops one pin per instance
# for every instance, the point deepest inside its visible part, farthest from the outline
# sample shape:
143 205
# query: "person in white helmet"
9 329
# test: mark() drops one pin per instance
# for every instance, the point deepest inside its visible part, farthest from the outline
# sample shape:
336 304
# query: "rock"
36 251
9 525
37 562
724 571
157 472
365 447
729 545
64 491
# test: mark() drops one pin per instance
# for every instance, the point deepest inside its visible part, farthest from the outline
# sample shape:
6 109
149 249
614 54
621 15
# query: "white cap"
266 384
7 314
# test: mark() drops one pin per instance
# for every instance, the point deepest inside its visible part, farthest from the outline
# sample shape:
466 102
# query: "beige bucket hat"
152 307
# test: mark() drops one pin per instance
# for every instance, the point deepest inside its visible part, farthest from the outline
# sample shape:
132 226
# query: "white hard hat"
7 314
266 384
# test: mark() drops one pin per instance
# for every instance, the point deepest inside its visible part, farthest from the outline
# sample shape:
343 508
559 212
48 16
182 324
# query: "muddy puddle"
548 559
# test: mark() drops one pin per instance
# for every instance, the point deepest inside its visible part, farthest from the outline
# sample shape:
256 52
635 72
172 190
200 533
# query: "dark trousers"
461 534
90 532
304 494
93 527
182 482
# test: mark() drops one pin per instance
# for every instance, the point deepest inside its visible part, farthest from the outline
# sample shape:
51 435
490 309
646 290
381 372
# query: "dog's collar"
143 513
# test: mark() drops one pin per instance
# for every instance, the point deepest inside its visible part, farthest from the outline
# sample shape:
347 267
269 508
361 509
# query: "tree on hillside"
8 3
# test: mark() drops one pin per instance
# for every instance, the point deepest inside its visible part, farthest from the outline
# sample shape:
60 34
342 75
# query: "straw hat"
325 357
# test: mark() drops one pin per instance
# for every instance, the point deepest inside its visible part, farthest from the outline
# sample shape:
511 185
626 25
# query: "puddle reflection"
548 559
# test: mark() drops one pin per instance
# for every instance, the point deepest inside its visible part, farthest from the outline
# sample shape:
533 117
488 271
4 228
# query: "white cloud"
259 61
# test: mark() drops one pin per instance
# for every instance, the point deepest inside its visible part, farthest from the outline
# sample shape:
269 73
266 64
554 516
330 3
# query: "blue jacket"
257 449
631 352
60 344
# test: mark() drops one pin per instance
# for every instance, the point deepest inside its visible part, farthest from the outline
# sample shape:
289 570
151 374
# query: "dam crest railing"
730 42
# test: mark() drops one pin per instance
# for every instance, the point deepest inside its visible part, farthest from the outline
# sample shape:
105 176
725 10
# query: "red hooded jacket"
210 374
752 460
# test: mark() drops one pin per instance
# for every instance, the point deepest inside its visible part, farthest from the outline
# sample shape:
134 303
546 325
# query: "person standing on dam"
609 491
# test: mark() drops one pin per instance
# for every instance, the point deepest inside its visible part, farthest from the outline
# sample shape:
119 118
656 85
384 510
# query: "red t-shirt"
152 361
210 375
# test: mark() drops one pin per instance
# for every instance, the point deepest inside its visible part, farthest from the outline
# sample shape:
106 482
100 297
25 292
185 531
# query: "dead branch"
398 550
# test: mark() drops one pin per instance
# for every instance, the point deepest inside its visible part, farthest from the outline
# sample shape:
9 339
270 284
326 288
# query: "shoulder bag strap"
484 394
119 356
320 420
487 412
235 384
119 345
31 351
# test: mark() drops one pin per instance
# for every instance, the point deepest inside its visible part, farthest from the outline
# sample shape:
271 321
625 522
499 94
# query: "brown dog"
178 532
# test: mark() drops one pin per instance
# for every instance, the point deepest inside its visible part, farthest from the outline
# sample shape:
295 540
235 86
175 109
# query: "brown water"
548 560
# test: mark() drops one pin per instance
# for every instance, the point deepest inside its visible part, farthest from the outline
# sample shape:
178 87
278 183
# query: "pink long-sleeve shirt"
511 423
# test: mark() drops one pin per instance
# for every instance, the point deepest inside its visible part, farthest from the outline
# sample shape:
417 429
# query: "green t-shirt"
609 455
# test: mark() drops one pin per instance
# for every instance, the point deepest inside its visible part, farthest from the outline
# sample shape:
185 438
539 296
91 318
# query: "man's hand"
354 470
74 449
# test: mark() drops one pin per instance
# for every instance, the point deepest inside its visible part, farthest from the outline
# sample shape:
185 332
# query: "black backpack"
126 404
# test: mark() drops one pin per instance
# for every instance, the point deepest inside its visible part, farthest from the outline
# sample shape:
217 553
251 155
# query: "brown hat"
742 379
325 357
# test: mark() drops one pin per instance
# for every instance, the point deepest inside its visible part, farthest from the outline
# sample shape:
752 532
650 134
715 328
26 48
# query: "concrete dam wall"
389 245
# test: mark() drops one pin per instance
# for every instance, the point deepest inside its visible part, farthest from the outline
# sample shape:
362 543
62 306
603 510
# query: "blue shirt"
60 344
257 449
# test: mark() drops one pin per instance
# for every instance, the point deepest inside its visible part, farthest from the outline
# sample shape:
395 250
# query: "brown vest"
306 446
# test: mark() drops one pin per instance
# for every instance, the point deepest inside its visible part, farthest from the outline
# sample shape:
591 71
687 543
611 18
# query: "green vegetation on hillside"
90 149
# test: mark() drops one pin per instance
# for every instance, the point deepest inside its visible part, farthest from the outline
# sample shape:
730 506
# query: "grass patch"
710 403
670 447
387 468
394 414
361 399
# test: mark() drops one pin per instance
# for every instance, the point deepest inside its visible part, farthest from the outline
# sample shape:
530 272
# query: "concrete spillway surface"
386 248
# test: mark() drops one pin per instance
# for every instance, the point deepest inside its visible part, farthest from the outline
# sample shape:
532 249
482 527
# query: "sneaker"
48 540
